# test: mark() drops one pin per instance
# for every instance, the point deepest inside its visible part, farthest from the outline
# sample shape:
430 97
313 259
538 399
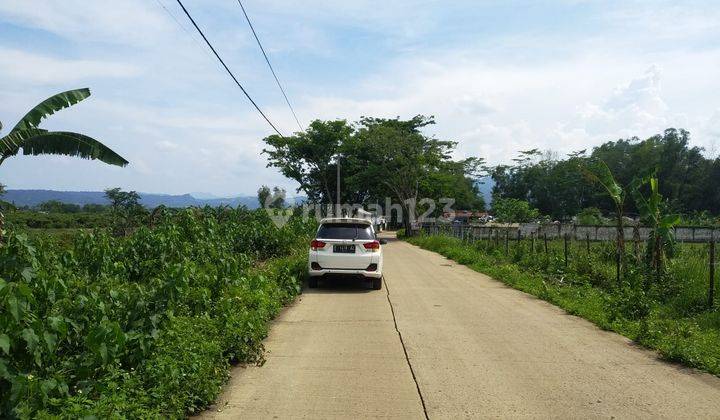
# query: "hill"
34 197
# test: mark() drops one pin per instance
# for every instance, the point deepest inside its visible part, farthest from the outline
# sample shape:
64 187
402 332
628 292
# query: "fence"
586 233
697 234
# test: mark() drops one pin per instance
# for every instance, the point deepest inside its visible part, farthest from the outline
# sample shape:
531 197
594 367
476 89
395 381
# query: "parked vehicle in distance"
346 247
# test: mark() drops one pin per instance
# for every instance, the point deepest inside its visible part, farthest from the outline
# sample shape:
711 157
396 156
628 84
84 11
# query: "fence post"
507 238
587 240
546 245
532 242
497 238
636 242
711 284
566 249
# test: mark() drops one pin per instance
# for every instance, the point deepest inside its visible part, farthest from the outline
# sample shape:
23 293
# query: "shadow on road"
340 284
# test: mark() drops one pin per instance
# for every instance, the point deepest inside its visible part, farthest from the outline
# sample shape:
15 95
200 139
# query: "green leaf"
50 106
11 144
58 324
48 385
14 308
4 370
601 174
670 220
71 144
5 343
30 338
50 340
27 273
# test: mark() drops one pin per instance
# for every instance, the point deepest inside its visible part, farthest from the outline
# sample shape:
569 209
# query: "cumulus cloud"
31 68
164 103
128 21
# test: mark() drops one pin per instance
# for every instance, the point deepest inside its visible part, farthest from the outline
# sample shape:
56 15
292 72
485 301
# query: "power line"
227 69
183 27
267 60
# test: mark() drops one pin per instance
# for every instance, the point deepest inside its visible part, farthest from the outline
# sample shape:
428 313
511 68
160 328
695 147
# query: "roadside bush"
141 326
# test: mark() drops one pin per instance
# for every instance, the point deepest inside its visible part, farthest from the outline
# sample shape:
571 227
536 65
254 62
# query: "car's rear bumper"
344 272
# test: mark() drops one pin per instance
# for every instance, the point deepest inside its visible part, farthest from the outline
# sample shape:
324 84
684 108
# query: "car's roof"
334 220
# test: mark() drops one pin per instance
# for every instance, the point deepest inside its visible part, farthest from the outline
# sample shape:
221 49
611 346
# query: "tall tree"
263 195
397 155
273 199
27 135
126 210
309 157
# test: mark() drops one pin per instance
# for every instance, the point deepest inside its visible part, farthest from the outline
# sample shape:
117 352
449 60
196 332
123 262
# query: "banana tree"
662 235
26 134
601 174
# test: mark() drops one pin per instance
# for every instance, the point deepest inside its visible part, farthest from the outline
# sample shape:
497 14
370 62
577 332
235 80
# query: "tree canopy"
556 187
378 158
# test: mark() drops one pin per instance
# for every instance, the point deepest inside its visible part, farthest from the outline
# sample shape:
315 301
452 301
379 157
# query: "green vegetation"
144 325
556 188
507 210
590 216
27 135
668 314
378 158
126 211
273 199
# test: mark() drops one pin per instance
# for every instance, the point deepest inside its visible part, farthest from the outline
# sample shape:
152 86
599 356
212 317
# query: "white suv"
346 246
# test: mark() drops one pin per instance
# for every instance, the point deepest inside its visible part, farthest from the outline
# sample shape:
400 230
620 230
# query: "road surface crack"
407 359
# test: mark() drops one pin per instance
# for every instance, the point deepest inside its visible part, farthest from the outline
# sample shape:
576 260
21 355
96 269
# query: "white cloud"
127 21
184 126
166 145
36 69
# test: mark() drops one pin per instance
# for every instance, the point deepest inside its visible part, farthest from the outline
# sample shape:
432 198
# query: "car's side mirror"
383 241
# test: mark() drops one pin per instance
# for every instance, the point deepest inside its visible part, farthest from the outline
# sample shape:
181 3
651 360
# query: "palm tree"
26 134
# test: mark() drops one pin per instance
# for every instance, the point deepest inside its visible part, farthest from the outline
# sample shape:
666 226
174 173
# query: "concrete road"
448 342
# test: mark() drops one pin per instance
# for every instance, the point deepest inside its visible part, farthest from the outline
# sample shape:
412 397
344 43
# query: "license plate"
344 249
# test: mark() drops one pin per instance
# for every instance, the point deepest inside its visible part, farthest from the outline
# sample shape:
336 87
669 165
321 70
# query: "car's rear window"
345 231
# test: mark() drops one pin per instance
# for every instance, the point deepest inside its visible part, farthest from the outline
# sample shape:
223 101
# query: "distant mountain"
34 197
203 195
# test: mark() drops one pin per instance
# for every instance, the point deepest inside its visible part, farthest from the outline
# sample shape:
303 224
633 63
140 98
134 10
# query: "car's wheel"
377 283
313 282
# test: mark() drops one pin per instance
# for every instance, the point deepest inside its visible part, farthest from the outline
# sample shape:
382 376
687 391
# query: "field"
145 325
668 313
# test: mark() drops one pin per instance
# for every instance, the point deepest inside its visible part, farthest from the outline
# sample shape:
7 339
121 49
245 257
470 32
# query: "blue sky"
498 76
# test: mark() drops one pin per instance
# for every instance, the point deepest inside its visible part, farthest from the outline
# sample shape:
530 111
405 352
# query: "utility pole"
337 209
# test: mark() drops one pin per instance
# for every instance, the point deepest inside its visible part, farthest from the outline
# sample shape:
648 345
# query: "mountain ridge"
33 197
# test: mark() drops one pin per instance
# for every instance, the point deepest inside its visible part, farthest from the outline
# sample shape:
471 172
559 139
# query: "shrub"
145 325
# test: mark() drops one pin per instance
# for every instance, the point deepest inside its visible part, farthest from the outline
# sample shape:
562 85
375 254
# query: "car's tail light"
372 246
315 244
